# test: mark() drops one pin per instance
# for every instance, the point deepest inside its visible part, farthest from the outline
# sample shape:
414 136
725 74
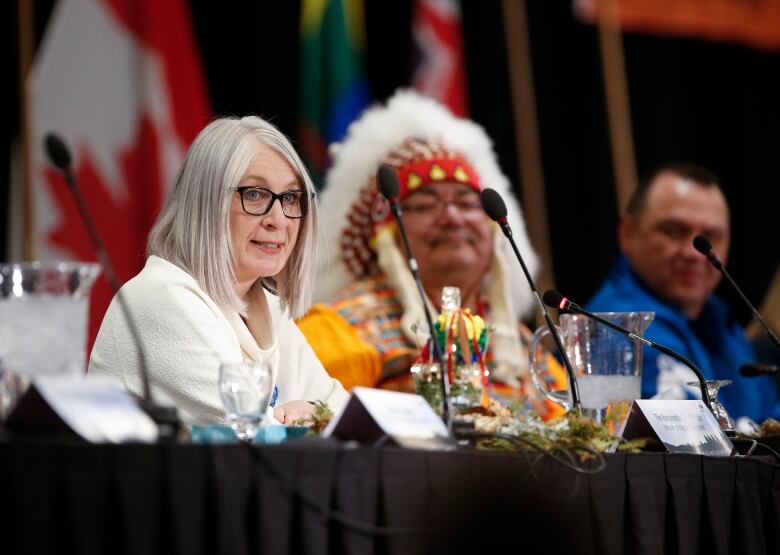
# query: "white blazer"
185 336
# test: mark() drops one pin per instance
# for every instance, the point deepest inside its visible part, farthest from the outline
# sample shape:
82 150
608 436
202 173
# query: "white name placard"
682 426
370 414
96 409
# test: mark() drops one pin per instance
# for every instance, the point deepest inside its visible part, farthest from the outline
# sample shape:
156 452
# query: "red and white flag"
441 71
122 83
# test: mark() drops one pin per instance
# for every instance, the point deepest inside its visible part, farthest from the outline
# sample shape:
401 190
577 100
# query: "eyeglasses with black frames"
258 201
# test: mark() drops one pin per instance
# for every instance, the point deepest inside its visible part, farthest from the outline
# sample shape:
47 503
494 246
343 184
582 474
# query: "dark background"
714 104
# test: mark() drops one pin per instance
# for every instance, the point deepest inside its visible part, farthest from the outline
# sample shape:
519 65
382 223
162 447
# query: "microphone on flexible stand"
751 370
495 208
703 245
554 299
388 185
164 416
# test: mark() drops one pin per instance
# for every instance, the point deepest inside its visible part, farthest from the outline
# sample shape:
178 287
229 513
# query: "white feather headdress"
369 140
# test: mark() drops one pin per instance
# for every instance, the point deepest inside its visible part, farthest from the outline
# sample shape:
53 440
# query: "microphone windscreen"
702 244
387 180
57 151
552 298
493 205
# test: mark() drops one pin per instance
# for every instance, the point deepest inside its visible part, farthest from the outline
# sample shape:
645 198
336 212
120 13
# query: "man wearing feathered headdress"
367 332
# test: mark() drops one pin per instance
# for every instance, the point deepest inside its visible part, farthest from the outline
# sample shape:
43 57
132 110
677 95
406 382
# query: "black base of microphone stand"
167 420
744 446
461 428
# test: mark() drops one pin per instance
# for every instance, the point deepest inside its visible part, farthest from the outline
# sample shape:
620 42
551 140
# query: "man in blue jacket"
659 270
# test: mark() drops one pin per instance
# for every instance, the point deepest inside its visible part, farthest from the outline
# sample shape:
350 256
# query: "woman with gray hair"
228 268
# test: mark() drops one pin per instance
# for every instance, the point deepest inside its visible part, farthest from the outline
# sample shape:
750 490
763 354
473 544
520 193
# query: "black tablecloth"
72 498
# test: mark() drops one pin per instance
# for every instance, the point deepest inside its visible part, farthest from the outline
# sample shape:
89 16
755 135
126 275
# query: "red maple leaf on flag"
123 221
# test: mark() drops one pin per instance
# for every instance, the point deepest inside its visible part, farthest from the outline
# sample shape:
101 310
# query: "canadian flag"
121 82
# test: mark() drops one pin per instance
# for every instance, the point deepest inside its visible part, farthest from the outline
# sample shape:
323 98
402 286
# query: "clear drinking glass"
713 387
245 388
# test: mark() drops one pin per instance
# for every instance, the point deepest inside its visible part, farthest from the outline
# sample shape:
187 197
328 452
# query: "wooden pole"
25 21
618 108
769 309
527 131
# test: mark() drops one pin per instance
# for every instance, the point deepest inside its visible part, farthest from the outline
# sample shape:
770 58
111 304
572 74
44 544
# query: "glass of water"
245 388
725 421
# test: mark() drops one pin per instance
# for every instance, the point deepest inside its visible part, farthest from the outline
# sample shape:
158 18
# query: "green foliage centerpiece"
464 340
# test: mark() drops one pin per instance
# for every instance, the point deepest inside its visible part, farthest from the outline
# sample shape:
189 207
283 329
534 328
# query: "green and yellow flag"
333 89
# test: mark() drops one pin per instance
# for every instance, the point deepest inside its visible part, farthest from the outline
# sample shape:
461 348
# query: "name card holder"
681 426
95 409
373 414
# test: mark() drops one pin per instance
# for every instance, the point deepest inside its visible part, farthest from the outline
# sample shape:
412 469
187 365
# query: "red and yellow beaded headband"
417 162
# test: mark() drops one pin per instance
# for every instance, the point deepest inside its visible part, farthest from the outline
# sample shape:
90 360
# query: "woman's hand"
294 412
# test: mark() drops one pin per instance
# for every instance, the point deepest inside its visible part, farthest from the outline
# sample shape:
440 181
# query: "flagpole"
25 18
527 130
770 308
618 109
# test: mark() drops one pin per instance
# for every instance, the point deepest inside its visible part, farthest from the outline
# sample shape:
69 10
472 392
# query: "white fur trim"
509 358
400 278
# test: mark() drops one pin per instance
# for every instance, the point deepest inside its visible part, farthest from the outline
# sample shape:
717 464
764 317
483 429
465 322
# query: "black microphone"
387 180
751 370
495 208
703 245
59 155
164 416
555 300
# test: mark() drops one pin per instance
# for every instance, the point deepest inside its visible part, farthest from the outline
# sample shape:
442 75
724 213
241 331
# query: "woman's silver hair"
193 228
